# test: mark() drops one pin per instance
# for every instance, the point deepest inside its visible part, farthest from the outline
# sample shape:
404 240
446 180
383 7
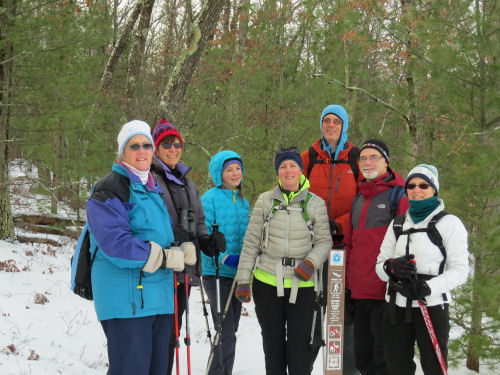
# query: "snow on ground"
62 335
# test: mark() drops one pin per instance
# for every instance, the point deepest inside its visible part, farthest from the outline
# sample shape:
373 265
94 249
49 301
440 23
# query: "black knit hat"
377 145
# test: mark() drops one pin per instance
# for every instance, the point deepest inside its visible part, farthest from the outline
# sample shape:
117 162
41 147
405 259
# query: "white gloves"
155 259
173 258
189 253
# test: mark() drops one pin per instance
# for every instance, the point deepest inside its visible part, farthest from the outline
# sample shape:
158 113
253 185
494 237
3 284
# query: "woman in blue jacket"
132 279
225 206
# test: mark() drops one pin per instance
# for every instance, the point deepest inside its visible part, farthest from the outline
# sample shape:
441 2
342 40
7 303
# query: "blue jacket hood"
217 162
339 111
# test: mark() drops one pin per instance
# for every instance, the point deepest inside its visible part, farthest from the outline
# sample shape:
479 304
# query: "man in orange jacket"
331 165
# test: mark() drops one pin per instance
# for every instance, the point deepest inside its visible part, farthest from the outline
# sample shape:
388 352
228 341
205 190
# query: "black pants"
368 343
399 340
285 328
349 367
227 342
181 307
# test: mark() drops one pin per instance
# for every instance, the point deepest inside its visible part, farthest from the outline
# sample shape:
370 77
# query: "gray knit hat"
426 171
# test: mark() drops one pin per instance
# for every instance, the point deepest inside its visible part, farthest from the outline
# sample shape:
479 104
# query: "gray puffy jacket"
287 236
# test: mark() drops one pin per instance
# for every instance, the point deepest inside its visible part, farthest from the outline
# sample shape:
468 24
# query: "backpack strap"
305 214
278 206
431 231
313 158
352 157
436 238
354 201
397 225
352 160
396 194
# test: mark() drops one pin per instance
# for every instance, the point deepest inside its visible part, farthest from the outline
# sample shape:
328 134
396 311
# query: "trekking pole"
215 229
217 336
322 312
176 316
317 303
432 335
187 339
205 313
430 330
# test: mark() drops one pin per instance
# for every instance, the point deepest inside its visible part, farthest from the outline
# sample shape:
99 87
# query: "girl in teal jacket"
225 206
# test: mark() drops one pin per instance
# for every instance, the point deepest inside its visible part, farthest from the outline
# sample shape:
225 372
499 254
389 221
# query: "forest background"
251 76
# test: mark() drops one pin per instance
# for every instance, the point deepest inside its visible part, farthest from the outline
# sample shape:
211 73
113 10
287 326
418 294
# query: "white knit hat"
134 127
426 171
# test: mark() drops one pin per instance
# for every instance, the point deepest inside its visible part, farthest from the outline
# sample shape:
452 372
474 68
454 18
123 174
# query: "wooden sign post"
335 313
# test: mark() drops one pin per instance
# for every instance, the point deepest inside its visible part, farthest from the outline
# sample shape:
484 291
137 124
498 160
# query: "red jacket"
368 223
334 183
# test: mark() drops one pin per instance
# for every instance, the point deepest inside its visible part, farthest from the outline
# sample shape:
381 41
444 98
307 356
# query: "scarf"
420 209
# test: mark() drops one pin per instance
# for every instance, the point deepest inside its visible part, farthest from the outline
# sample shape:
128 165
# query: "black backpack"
431 231
81 266
352 161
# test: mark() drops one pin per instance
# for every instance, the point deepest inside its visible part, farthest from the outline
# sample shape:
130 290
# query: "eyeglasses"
420 186
287 149
371 158
137 146
335 121
168 146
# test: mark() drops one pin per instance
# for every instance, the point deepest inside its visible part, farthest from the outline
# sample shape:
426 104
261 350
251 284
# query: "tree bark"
409 69
201 31
6 53
137 55
120 46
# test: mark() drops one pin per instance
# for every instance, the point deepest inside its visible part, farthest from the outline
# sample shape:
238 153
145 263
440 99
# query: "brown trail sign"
335 313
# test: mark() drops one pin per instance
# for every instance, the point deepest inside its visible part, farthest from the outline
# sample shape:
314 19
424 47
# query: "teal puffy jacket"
229 210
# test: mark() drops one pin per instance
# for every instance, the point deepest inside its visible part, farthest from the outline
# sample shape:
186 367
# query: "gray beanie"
426 171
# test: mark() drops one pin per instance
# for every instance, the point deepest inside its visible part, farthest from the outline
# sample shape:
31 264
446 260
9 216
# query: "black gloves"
414 289
402 268
335 231
180 234
214 244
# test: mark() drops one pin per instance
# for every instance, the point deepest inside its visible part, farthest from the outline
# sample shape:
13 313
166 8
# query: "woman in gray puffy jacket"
289 234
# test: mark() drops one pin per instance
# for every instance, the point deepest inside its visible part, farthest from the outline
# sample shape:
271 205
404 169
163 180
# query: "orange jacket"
334 182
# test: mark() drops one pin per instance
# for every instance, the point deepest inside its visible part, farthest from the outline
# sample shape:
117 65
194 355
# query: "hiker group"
150 237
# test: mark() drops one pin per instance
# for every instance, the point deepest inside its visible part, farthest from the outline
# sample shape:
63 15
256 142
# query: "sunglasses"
420 186
137 146
168 146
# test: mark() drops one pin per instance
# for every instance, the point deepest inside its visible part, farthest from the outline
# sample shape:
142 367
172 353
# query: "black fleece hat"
377 145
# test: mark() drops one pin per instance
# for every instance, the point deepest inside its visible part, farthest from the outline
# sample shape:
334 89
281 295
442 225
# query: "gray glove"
189 253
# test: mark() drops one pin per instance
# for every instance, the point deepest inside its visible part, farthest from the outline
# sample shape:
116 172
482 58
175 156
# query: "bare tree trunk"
409 68
120 45
241 38
201 31
137 54
227 16
6 53
473 348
